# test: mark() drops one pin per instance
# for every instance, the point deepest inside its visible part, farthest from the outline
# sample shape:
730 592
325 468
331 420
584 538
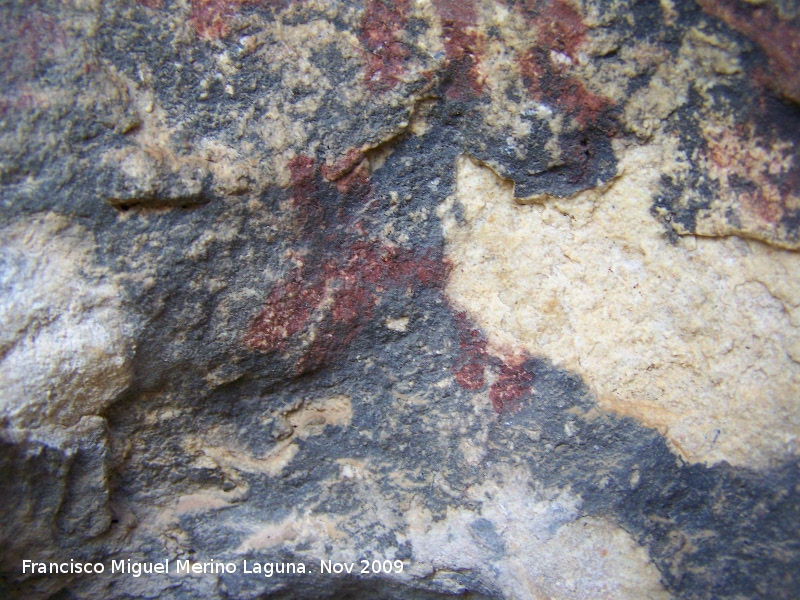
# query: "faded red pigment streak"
37 39
512 384
513 381
778 38
213 19
326 302
462 49
350 172
769 207
470 365
559 29
343 274
382 29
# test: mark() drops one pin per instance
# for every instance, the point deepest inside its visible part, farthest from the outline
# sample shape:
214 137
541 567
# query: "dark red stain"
514 380
342 276
559 29
288 310
350 172
355 181
552 84
304 187
33 42
382 28
470 376
469 367
512 384
462 76
327 301
779 39
343 165
558 26
213 19
750 191
318 310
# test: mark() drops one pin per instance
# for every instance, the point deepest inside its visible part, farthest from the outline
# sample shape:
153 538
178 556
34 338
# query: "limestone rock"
409 299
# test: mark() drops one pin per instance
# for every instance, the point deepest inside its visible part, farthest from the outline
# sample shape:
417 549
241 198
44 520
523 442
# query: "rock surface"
503 292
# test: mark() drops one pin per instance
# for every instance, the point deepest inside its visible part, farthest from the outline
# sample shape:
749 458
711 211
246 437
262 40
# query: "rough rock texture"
505 291
698 338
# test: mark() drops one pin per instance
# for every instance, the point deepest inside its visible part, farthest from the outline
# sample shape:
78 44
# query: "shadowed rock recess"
500 297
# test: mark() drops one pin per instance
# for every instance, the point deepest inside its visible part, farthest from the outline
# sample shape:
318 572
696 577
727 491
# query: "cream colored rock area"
700 338
65 344
215 449
531 542
548 553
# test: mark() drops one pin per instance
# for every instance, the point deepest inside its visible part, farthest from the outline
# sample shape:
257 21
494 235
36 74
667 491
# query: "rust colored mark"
382 29
470 376
324 304
546 67
352 302
343 165
559 27
343 275
463 78
469 368
759 172
350 172
288 309
359 283
513 382
212 19
356 181
778 38
304 188
551 83
386 266
301 168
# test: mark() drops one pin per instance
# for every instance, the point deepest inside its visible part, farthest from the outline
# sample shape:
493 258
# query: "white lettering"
183 565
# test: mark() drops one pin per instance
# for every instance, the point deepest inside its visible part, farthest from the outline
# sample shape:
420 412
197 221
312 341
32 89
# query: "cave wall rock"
502 294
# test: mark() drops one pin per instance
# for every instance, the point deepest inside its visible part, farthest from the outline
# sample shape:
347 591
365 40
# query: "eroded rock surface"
506 291
698 338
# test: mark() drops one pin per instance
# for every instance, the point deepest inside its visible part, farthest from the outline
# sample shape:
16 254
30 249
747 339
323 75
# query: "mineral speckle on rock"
499 297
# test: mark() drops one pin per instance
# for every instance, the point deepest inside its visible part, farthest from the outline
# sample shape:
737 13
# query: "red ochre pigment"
327 302
338 294
462 48
381 36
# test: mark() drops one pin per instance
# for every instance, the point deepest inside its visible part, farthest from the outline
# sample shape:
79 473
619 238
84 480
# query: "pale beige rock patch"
696 338
66 342
299 422
529 540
